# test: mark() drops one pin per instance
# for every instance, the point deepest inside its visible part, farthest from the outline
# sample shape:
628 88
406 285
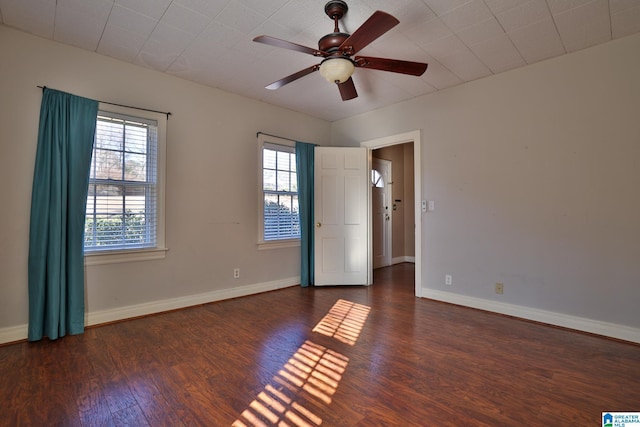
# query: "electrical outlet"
448 280
499 288
236 273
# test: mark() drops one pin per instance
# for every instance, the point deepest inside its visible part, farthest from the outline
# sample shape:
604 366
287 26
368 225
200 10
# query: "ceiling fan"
338 50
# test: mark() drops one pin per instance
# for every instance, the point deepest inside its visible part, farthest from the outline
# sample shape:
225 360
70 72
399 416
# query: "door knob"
318 224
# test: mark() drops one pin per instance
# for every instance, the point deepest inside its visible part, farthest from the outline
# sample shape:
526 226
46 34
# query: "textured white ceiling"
210 41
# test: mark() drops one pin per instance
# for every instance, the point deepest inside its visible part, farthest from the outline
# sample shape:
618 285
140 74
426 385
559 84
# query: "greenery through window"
122 200
280 193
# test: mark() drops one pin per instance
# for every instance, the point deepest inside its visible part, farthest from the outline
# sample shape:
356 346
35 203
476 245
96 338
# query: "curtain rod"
128 106
281 137
275 136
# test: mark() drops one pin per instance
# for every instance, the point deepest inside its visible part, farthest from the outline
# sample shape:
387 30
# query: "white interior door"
381 214
341 216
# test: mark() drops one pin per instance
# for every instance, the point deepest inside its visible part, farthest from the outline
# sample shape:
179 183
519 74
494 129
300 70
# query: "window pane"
268 159
92 170
135 200
283 181
108 164
269 180
270 216
135 167
134 228
376 179
108 199
109 135
136 139
284 160
102 230
281 219
293 162
90 199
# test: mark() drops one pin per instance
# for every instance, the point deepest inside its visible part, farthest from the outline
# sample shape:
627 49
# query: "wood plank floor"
339 356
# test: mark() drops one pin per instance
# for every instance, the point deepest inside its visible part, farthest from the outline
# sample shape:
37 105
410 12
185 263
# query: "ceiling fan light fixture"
338 50
337 70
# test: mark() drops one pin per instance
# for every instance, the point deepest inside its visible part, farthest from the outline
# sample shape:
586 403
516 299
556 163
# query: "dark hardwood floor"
338 356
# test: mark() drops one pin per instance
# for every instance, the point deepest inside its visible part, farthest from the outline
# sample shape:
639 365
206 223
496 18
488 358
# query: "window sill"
115 257
279 244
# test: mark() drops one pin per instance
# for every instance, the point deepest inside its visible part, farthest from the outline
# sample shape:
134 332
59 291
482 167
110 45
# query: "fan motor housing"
331 42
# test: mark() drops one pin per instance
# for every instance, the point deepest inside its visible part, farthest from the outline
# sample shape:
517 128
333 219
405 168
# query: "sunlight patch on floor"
344 321
313 369
310 378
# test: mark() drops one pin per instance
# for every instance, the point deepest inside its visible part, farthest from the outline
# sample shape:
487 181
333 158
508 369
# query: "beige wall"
211 192
535 176
409 197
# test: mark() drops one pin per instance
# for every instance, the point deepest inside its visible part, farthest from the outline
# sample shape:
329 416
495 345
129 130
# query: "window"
279 219
125 206
376 179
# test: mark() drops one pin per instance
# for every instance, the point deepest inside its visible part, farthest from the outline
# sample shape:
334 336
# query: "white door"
341 216
381 211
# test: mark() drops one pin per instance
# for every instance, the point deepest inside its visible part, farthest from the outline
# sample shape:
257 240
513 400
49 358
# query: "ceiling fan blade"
272 41
393 65
377 24
347 89
292 77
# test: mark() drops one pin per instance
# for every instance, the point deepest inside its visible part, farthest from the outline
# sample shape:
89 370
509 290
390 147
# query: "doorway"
381 210
393 234
413 138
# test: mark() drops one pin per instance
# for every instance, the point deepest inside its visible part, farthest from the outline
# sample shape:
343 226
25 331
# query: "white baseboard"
18 333
13 333
612 330
105 316
401 259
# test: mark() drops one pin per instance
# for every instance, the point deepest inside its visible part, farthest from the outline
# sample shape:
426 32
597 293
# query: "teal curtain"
58 201
304 168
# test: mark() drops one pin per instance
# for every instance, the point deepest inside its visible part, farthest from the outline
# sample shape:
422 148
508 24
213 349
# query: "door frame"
402 138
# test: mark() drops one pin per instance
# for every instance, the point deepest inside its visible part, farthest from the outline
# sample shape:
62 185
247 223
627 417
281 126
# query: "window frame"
108 256
262 243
